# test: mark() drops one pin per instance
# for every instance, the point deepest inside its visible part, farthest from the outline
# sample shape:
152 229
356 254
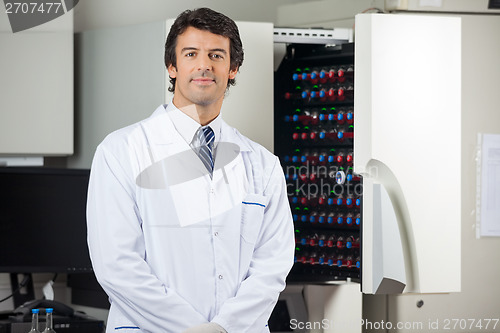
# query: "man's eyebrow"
190 48
219 50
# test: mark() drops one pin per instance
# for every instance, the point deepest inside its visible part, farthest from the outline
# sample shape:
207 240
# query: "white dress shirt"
188 127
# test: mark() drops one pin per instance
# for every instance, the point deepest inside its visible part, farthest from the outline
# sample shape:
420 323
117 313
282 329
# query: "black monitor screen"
43 221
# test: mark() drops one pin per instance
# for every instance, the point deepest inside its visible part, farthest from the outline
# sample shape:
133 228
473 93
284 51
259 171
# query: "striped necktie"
206 136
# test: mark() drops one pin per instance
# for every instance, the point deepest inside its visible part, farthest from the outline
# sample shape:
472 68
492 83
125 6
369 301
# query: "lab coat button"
220 277
216 233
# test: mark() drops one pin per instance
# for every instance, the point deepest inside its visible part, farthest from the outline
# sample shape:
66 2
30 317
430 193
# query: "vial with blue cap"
322 95
340 117
304 239
330 260
340 219
322 259
306 74
48 321
323 76
34 321
340 260
349 177
297 75
349 219
350 117
314 76
322 217
352 242
313 217
322 240
357 219
330 218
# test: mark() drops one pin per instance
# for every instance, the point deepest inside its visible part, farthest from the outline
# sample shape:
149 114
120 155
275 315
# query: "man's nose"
204 64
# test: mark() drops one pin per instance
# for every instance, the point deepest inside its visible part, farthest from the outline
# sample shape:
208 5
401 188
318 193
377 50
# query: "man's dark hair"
211 21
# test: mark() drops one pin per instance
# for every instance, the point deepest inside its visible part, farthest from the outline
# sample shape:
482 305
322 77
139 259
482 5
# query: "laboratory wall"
97 14
120 80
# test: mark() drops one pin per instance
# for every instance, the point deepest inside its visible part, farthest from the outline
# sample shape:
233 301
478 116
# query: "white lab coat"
172 254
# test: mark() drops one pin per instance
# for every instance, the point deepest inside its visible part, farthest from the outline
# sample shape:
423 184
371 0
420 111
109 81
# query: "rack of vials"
314 129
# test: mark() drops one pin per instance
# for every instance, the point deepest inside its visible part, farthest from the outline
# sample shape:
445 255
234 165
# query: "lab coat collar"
161 130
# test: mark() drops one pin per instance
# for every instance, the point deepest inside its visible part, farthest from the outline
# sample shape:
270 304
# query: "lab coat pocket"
252 215
127 329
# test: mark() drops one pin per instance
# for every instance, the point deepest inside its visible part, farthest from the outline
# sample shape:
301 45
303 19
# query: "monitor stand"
23 291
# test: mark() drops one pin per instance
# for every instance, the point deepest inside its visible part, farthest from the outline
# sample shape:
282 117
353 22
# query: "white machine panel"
408 140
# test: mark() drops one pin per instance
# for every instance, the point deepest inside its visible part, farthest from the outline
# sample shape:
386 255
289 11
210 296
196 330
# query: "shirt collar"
188 127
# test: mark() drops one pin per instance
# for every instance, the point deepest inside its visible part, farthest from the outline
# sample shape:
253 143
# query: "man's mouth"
203 80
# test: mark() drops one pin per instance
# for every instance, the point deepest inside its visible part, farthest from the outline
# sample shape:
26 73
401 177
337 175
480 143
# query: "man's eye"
216 56
190 54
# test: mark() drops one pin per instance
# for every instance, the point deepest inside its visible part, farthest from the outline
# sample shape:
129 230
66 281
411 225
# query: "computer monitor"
43 220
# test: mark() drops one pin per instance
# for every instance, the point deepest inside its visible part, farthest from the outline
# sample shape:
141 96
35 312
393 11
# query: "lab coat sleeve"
272 260
117 251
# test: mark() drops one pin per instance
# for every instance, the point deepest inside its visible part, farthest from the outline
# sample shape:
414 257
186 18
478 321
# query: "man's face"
203 68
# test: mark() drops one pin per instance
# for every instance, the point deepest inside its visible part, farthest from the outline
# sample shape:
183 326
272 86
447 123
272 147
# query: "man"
181 244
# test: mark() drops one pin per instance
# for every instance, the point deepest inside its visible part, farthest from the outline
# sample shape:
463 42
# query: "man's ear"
233 72
172 71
